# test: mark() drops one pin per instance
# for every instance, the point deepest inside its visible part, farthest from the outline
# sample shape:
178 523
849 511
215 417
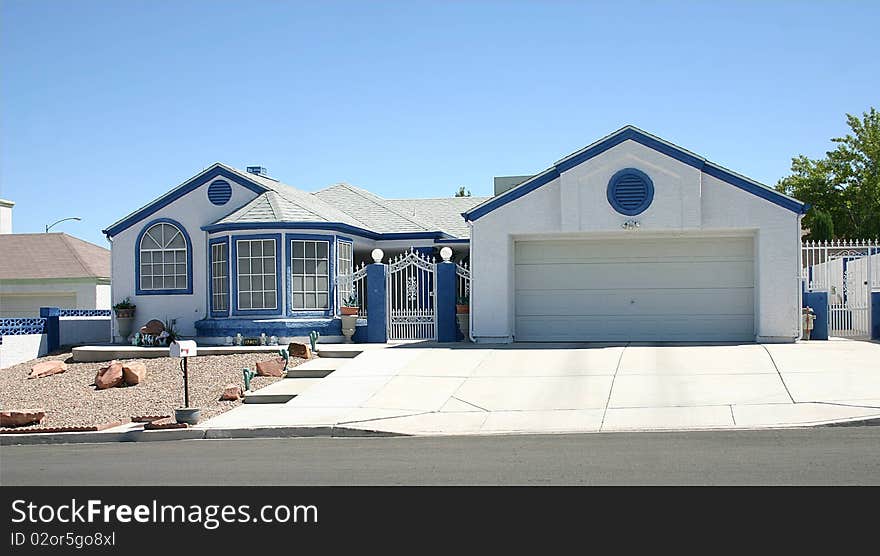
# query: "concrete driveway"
537 388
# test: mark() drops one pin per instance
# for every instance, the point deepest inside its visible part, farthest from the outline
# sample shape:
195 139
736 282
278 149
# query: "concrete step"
319 367
344 351
280 392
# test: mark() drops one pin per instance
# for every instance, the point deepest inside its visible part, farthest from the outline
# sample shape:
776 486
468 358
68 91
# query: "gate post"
875 315
818 301
377 320
53 327
447 327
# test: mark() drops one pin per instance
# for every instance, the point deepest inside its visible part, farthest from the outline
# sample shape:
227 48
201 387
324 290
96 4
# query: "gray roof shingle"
53 255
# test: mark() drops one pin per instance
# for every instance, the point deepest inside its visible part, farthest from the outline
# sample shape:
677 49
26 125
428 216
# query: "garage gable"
630 191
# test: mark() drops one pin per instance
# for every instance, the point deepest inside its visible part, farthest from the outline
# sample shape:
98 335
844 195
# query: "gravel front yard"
71 399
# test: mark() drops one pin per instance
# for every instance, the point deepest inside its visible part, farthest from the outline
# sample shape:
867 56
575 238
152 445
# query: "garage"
635 289
633 238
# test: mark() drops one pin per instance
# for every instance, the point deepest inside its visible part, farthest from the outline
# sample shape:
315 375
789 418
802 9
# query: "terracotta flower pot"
349 311
125 313
462 309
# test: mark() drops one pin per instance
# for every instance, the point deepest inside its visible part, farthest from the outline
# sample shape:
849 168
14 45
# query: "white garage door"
26 306
638 289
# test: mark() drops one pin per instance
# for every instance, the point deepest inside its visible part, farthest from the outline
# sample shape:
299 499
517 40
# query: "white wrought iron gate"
412 300
849 271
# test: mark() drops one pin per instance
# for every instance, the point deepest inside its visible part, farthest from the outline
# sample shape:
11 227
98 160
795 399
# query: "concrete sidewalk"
539 388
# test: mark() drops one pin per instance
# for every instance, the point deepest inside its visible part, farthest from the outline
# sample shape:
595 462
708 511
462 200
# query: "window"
344 268
219 277
163 258
310 274
256 274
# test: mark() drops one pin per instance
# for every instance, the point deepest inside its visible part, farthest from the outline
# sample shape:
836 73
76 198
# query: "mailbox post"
184 349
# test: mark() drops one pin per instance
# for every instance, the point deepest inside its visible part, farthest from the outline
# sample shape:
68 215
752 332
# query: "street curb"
141 435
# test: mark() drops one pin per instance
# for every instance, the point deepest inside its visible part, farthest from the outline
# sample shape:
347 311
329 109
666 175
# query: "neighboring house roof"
53 255
443 213
644 138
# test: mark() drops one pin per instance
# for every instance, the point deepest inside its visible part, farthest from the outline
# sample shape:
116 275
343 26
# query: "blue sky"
105 105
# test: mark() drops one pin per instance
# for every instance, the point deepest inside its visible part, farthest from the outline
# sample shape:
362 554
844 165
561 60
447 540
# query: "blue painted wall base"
818 301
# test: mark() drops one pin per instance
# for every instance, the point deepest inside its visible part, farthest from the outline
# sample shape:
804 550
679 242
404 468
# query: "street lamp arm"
62 220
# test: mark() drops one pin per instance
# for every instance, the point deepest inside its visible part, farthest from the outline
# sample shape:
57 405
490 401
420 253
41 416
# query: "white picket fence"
849 270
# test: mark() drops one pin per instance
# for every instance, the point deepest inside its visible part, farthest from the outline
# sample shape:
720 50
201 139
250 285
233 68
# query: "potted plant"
462 315
462 305
349 305
124 310
349 312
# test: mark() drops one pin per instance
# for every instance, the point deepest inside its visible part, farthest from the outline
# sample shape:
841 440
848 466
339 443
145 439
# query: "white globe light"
446 253
377 255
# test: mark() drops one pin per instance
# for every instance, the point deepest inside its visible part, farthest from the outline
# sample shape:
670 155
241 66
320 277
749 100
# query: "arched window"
164 259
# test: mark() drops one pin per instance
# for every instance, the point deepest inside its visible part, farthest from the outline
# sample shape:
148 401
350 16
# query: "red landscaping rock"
230 393
110 376
134 372
21 418
272 367
47 368
299 350
153 327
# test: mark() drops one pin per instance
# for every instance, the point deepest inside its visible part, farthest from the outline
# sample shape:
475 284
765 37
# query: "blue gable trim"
178 192
633 134
331 274
137 261
233 303
329 226
210 275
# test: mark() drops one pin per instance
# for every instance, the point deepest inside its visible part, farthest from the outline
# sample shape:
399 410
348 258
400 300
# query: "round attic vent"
219 192
630 191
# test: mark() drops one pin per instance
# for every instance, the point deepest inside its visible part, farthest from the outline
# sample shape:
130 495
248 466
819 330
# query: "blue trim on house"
279 309
616 197
137 261
178 192
618 137
327 326
219 192
328 226
453 241
210 274
331 274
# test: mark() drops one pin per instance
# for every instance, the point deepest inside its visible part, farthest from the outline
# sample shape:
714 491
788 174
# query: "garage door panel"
740 248
635 289
701 328
636 302
657 275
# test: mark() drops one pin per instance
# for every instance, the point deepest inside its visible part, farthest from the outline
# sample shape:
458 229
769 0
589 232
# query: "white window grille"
310 278
163 258
256 269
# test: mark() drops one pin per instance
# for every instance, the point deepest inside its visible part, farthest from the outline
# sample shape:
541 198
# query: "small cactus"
248 375
313 339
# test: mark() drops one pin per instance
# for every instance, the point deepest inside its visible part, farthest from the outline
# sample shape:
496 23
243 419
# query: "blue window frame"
310 261
163 259
256 274
218 276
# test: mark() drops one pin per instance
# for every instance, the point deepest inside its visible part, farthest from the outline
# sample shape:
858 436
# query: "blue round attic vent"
630 191
219 192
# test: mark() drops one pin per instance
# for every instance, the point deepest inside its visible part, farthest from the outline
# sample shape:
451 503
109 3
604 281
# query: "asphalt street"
818 456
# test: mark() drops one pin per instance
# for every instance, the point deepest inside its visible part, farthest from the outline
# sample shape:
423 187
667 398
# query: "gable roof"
443 213
633 133
52 255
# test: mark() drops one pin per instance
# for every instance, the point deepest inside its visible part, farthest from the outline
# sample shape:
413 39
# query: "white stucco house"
629 239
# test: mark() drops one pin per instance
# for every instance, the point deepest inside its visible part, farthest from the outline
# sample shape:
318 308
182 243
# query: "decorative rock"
21 418
110 376
230 393
272 367
153 328
134 372
299 350
47 368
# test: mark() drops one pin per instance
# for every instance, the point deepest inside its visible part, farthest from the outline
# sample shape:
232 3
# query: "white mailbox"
183 348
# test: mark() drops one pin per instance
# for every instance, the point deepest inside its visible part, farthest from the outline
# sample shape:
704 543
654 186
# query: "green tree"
845 185
462 192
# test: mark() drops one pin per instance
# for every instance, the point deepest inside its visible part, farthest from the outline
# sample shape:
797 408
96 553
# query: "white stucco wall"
23 298
18 349
686 201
